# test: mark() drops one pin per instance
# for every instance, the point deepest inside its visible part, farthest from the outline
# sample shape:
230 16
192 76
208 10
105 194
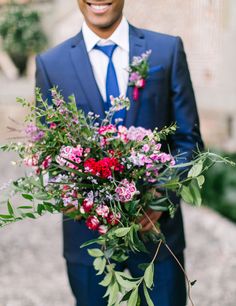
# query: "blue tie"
112 87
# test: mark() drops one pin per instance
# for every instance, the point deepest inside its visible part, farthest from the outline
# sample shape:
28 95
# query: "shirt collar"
119 37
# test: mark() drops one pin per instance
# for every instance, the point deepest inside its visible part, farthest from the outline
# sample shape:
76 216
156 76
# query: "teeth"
99 7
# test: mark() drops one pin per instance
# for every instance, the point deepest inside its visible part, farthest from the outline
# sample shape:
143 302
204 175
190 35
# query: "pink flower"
163 157
32 161
138 133
140 83
87 205
92 223
113 218
134 77
78 151
103 130
122 133
53 126
46 163
102 229
146 148
126 191
103 211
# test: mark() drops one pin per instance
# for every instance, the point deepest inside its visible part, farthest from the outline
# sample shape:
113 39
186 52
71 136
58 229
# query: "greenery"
22 34
219 190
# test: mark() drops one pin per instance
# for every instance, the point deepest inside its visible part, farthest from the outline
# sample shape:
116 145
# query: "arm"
183 107
42 80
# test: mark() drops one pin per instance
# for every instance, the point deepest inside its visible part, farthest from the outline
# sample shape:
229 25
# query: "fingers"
147 222
71 209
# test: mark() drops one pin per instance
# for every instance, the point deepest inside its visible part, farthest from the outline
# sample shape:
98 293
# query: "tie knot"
108 50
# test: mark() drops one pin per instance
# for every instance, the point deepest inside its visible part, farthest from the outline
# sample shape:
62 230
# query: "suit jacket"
167 97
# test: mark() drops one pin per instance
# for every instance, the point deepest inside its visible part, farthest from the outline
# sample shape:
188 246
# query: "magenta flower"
102 211
134 77
92 223
126 191
102 229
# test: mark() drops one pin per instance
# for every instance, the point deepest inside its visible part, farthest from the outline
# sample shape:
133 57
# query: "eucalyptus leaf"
113 294
27 196
121 232
196 170
186 194
147 296
125 283
95 252
149 275
10 208
196 194
201 180
133 298
107 280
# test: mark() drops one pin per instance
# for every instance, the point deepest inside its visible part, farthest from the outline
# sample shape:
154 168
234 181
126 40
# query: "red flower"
87 205
92 223
113 219
103 167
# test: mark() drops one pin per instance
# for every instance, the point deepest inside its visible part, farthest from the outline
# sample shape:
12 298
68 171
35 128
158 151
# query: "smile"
99 8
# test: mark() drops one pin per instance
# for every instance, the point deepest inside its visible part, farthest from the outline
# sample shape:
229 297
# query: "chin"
102 22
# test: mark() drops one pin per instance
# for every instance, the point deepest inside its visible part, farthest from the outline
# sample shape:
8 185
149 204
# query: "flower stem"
176 259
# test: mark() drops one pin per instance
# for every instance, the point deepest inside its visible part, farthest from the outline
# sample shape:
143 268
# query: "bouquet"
109 175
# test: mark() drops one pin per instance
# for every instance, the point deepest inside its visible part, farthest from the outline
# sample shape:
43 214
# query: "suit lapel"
85 75
137 45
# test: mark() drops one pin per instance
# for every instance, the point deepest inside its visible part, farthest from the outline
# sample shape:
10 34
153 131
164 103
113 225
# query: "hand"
147 221
70 209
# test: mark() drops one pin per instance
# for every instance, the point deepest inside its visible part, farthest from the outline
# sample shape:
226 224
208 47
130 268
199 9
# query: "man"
80 66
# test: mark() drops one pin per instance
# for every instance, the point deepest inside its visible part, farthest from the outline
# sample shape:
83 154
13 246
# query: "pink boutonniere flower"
138 72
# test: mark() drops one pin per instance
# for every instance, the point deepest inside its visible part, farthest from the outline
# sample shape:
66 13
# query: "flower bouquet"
110 175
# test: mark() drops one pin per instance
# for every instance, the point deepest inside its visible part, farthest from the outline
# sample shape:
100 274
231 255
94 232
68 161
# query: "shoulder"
166 40
58 52
162 40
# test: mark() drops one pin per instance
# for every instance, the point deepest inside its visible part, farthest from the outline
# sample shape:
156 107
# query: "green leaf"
27 196
195 191
107 280
40 209
24 207
186 194
148 275
42 196
201 180
99 240
159 201
99 265
95 252
125 283
147 296
114 294
6 217
133 298
10 209
195 170
30 215
158 208
121 232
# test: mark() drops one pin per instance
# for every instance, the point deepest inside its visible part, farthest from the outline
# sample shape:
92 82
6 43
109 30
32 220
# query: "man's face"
101 14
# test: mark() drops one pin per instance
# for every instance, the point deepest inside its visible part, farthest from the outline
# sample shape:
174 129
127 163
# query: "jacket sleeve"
42 80
183 107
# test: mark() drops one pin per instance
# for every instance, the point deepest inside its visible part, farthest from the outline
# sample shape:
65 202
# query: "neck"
105 32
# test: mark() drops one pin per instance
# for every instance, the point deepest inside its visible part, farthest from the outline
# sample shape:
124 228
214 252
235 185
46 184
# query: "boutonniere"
138 73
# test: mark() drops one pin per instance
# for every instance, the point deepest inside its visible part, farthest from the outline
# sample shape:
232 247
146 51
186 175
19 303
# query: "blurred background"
32 271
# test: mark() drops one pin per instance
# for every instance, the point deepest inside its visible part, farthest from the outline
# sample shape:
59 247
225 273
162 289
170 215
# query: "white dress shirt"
99 60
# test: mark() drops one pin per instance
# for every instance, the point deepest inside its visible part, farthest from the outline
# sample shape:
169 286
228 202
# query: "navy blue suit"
167 97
